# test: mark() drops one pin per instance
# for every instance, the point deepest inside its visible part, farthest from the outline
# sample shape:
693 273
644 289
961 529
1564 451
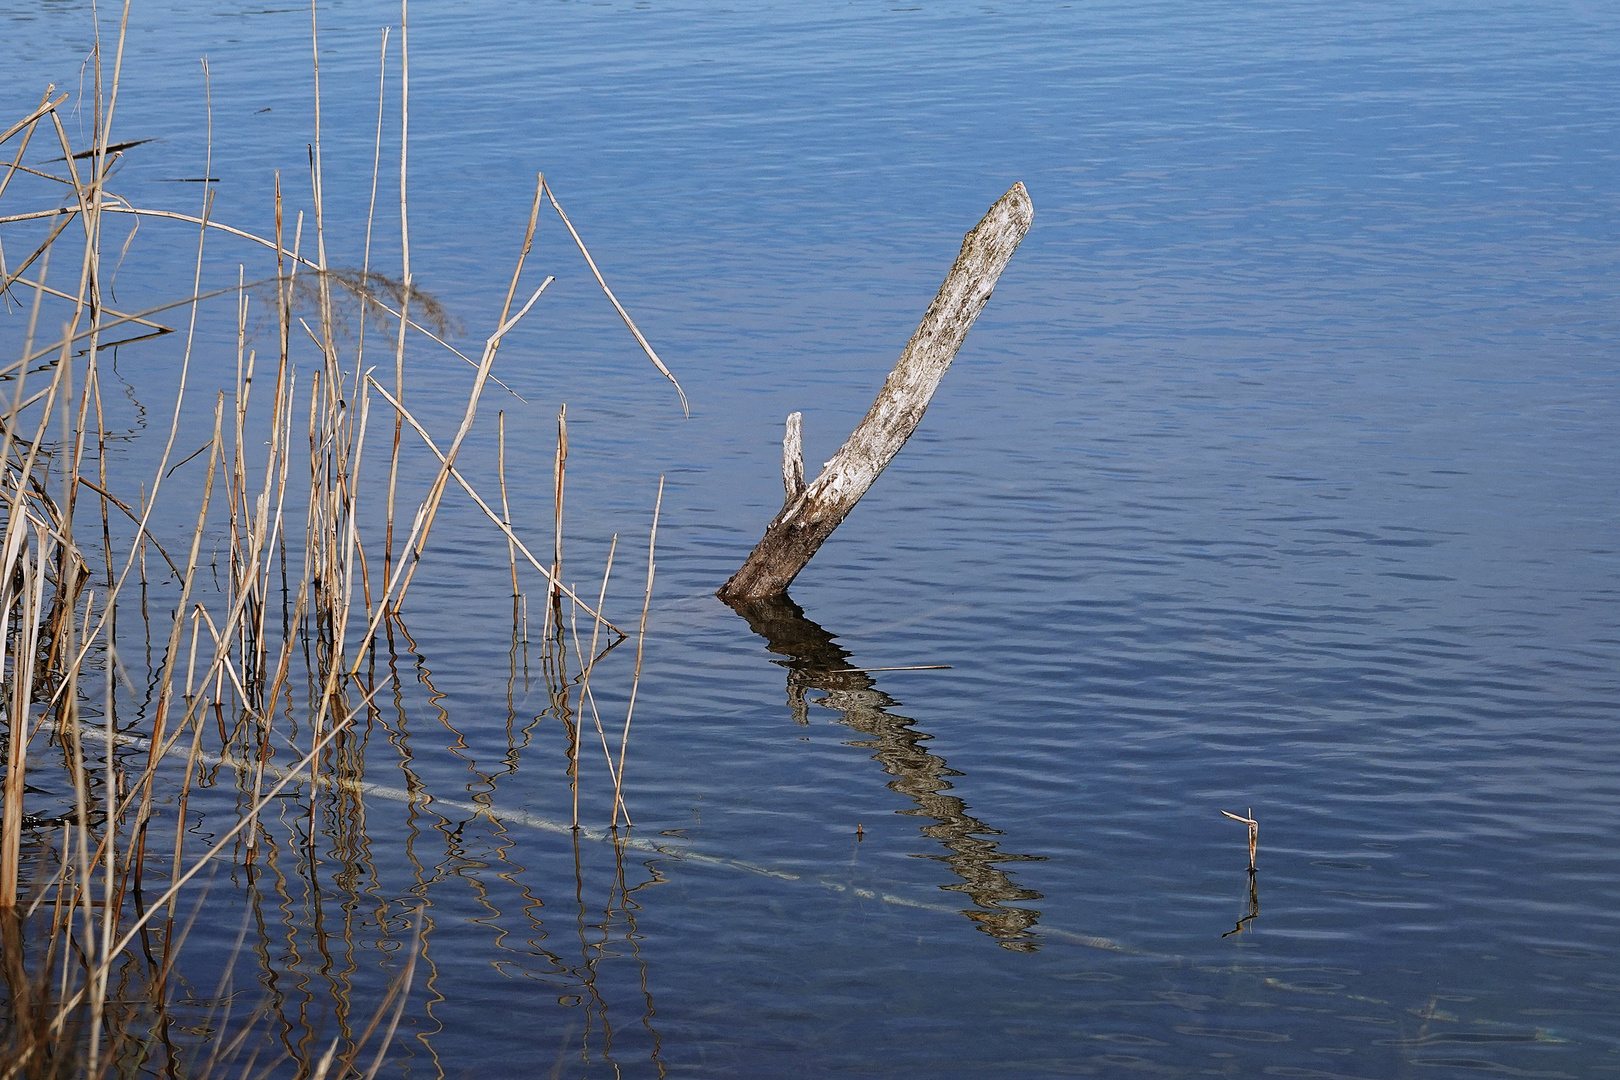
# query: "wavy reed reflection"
519 950
1253 911
328 919
815 661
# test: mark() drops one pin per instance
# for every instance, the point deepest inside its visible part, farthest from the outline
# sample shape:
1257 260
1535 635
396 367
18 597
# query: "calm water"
1279 473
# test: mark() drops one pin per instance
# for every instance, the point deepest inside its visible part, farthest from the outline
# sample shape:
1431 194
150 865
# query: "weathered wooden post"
810 513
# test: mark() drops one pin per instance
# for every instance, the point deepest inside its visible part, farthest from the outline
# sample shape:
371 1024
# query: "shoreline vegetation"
261 654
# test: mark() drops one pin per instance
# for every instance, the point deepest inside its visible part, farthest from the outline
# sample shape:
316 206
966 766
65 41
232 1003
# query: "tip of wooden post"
1018 193
1014 211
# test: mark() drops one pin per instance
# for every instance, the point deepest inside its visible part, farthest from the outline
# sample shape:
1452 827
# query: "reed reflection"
1254 907
479 853
815 661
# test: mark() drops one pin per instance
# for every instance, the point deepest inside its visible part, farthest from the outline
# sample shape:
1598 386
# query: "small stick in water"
1254 833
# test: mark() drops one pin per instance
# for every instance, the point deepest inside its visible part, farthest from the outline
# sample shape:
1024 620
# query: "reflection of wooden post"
815 661
811 514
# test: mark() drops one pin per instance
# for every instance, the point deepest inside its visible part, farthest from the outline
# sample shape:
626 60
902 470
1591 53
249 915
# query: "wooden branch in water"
811 513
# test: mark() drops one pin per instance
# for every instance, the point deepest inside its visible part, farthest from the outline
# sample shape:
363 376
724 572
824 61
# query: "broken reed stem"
1254 833
614 300
528 244
641 642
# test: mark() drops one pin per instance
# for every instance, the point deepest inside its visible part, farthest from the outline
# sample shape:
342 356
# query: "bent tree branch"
811 512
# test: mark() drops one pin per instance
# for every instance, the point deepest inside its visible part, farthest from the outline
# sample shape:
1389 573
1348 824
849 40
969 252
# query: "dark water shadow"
815 661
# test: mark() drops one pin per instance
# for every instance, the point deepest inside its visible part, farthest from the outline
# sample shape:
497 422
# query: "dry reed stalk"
262 757
528 244
185 787
585 671
1254 833
218 671
558 476
405 276
506 510
21 367
27 124
323 280
332 688
371 207
291 255
87 299
106 309
39 252
614 300
429 509
576 731
213 459
641 641
552 580
191 659
32 615
430 505
244 578
98 865
29 599
165 691
156 483
590 669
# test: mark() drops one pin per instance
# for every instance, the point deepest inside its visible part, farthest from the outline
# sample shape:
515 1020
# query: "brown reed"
86 987
1254 833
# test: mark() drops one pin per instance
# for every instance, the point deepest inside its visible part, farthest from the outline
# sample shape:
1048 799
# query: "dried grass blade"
31 117
488 512
614 300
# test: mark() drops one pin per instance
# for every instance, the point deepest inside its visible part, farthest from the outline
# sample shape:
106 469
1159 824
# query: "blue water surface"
1279 473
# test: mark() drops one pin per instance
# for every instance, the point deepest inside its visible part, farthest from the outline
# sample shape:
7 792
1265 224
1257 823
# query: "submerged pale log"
811 513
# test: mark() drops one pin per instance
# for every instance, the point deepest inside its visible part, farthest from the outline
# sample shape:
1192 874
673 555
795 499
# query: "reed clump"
262 620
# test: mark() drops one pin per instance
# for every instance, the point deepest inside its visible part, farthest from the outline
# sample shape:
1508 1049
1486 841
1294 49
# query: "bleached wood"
805 522
793 458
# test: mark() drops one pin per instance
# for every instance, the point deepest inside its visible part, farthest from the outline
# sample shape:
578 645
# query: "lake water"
1279 473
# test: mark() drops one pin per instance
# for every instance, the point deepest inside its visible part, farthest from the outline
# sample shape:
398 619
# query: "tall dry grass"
263 667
